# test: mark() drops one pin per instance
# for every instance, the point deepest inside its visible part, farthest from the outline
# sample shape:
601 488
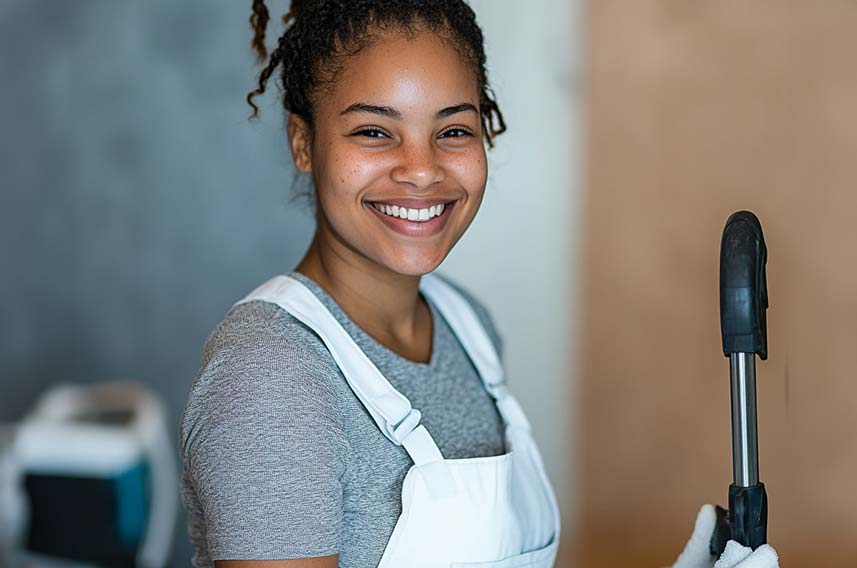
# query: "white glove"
696 553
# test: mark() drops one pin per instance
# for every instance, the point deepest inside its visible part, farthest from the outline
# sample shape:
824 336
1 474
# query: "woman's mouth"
419 220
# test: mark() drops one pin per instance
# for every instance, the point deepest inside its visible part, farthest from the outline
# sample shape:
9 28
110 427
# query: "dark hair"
318 32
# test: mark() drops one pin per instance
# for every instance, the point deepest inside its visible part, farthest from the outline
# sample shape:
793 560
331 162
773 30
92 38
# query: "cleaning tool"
743 304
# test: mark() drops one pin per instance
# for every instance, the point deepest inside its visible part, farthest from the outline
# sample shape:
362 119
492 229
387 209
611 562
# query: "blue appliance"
99 474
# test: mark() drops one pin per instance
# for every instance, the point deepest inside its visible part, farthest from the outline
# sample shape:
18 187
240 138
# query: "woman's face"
399 131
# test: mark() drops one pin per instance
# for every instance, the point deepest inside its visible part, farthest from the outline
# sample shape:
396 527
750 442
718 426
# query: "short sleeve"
263 446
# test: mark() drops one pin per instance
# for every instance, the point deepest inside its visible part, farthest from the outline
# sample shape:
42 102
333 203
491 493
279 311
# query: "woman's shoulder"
258 338
259 327
258 361
482 310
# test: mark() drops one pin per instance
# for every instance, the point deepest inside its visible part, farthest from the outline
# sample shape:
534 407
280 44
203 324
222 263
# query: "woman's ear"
300 140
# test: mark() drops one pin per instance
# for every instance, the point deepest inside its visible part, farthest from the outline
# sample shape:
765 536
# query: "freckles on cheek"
347 175
340 171
357 172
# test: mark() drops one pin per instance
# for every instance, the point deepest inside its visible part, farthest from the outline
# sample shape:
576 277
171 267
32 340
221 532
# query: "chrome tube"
745 440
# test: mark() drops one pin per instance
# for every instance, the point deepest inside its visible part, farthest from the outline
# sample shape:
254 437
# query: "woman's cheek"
357 171
472 170
471 162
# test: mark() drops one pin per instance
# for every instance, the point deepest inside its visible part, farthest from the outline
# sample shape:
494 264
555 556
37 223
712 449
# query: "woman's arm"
263 444
323 562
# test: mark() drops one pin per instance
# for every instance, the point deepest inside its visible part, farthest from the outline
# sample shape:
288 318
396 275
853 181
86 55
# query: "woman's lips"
415 228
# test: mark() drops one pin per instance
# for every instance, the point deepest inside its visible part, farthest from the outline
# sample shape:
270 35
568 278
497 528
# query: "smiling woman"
354 412
399 128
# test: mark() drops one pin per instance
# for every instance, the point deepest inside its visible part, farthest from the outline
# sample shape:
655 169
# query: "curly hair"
320 32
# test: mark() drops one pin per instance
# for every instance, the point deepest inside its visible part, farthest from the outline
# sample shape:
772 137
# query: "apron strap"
390 409
392 412
462 318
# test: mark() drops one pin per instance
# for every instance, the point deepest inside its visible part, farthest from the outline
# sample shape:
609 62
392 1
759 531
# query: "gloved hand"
696 553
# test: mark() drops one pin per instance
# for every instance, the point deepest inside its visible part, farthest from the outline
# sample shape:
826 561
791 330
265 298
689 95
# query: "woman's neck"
385 304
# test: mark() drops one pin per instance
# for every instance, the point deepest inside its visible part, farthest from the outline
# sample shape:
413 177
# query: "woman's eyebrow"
390 112
449 111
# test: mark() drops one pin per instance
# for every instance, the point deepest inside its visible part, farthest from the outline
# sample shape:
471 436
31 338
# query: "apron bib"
487 512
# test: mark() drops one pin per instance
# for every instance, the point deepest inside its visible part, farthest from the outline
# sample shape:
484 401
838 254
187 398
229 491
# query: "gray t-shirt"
280 460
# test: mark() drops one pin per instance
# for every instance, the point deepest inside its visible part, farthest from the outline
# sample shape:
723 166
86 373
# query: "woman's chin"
415 266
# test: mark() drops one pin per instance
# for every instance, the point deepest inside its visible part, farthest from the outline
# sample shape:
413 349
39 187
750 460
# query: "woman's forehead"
408 73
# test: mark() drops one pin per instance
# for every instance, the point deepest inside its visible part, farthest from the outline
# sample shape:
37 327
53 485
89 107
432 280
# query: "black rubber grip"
748 515
746 521
743 286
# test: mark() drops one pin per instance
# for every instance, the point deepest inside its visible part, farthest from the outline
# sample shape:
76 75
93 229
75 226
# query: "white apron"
486 512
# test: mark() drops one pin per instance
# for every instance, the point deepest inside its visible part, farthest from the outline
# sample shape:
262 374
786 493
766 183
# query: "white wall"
520 256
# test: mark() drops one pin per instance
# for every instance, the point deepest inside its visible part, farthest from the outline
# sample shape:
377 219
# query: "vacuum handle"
743 325
743 286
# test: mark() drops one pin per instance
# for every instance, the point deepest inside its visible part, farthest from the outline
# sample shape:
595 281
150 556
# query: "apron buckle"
405 426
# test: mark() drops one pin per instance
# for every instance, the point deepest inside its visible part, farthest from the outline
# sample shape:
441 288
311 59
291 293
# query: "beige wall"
695 110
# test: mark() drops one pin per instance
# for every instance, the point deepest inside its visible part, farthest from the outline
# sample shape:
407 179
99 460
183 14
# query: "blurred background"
137 203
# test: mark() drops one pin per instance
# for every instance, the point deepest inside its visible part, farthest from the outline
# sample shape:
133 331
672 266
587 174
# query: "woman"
354 412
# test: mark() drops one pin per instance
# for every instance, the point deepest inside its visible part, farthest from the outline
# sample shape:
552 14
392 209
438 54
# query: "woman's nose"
419 165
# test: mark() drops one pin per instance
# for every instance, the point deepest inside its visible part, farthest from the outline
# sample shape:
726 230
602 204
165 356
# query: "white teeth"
419 215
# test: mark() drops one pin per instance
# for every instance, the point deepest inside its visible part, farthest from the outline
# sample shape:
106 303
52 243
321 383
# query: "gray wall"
136 201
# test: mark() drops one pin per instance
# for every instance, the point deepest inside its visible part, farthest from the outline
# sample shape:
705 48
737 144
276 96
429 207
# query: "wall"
695 110
137 202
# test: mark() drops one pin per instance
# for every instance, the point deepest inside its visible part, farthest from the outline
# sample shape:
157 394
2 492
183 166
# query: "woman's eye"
371 133
455 133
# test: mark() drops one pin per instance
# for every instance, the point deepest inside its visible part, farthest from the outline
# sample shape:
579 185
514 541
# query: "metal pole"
745 440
